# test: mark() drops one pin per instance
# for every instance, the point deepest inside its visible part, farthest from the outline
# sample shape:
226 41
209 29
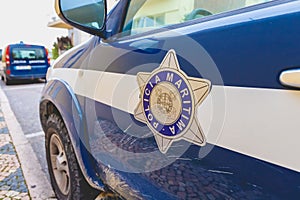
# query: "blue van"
24 61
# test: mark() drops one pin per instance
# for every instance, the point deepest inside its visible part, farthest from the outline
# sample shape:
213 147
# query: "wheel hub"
59 164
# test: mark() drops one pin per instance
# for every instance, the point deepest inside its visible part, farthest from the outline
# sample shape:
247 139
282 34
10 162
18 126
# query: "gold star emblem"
169 101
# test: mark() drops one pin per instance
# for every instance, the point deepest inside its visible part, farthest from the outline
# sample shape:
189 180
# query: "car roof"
21 44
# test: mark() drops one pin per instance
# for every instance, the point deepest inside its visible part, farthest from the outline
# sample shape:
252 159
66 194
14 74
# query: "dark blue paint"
256 52
236 175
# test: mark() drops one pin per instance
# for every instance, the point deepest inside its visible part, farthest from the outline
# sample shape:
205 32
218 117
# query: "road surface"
24 102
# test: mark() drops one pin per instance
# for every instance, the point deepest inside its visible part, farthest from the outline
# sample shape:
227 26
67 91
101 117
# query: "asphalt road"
24 101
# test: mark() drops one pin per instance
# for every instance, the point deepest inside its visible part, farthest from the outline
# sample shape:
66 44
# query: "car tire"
66 177
7 81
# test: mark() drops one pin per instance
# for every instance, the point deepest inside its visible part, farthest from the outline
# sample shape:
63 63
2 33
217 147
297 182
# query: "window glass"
144 15
28 53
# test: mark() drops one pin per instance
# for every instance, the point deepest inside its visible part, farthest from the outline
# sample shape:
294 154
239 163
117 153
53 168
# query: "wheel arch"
58 97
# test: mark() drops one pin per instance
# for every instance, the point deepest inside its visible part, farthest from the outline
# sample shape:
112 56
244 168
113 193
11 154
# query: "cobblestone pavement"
12 183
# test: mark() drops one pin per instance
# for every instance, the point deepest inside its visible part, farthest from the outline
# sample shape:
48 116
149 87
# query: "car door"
244 59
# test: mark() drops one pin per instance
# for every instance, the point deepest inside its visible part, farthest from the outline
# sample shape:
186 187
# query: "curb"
36 180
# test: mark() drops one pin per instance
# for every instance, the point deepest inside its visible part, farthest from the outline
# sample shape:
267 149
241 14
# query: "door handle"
290 78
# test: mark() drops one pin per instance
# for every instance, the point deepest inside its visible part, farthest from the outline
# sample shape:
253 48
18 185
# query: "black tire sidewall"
56 126
7 81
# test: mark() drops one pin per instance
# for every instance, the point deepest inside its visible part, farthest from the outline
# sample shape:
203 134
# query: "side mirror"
86 15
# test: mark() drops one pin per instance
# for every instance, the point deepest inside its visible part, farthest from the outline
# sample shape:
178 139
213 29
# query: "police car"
176 99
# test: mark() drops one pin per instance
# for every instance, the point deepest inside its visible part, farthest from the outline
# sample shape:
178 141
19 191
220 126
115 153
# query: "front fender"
58 96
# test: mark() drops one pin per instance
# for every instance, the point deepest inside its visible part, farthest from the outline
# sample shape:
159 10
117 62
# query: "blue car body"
250 118
25 61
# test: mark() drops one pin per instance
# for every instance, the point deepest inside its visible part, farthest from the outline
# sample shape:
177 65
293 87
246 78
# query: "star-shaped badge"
169 101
